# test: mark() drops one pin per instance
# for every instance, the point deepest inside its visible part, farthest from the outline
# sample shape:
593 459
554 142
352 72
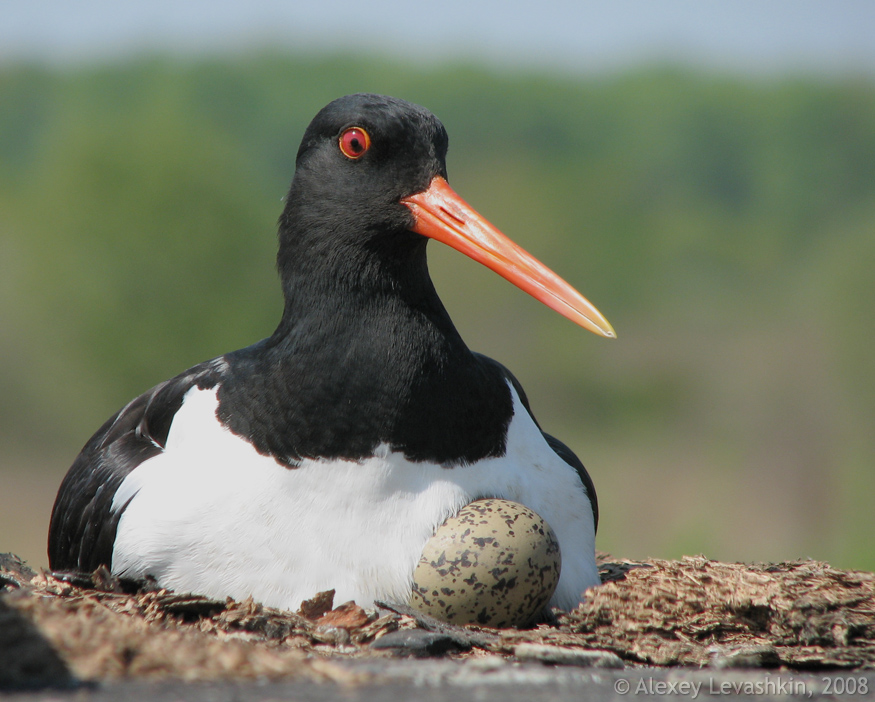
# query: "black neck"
365 354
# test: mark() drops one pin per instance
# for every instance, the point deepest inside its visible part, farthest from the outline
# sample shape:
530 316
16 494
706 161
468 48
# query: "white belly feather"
210 515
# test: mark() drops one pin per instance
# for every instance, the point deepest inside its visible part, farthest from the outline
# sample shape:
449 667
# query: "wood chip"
347 616
317 605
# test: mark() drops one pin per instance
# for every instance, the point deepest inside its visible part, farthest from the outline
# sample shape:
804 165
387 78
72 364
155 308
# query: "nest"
692 612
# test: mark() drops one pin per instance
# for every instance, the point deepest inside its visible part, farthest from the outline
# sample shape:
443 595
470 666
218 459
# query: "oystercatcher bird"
326 455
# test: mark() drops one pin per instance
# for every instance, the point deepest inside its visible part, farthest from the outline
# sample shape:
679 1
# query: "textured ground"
694 612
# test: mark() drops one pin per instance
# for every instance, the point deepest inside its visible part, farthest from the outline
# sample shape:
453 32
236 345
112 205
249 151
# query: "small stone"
562 655
748 656
334 635
416 642
486 663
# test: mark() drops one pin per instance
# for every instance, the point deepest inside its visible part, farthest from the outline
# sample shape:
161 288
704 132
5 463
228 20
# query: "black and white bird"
326 455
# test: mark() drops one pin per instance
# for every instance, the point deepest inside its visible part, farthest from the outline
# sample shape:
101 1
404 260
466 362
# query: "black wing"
83 526
565 453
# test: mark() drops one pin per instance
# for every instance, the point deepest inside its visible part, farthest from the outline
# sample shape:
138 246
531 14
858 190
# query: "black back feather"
83 525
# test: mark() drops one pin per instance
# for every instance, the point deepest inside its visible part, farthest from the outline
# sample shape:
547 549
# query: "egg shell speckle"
495 563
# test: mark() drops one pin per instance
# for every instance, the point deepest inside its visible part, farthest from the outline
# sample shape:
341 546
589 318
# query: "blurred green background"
724 224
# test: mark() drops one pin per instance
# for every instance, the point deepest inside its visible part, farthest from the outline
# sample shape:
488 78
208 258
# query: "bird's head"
371 185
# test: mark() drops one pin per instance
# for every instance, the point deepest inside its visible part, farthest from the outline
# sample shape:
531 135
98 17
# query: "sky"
751 37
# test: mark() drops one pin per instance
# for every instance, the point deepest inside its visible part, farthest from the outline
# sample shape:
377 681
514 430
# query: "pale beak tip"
594 321
606 331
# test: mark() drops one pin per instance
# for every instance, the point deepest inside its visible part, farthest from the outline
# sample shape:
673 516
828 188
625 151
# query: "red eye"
354 142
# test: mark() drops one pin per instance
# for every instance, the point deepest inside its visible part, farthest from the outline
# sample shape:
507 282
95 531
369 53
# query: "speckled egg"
495 563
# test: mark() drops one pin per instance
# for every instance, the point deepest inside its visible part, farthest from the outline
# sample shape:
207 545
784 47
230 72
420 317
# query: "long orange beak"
441 214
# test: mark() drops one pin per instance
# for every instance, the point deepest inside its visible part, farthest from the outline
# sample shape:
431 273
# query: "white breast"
211 515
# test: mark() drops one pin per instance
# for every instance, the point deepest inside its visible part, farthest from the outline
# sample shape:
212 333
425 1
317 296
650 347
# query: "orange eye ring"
354 142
